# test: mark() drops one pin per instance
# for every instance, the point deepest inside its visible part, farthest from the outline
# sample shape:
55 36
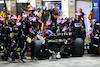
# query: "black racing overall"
78 23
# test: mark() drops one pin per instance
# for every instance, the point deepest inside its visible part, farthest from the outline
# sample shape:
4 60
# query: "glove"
28 40
11 35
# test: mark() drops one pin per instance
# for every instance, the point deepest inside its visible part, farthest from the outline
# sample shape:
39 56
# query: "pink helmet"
48 23
39 21
59 21
31 8
1 19
18 23
24 14
33 19
78 13
14 17
64 21
94 20
30 18
64 29
19 18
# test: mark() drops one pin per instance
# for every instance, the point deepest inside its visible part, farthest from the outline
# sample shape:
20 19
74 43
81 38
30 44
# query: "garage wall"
19 5
85 5
1 7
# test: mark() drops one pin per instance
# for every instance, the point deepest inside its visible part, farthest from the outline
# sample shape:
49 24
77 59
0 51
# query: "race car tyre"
78 48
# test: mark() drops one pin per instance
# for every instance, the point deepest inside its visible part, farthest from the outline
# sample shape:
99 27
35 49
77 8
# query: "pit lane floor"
85 61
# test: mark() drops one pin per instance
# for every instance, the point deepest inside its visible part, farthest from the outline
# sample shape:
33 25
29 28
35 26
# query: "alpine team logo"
96 6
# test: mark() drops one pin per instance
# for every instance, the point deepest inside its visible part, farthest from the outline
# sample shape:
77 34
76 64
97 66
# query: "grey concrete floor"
85 61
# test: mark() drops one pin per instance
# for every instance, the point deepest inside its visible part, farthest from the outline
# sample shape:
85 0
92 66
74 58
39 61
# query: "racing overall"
78 29
7 41
32 44
3 43
1 37
22 41
14 41
54 15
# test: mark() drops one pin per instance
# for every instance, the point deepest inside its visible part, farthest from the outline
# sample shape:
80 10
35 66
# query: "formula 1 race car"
64 43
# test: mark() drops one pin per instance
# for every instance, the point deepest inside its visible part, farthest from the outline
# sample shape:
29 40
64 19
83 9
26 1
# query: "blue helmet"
44 7
41 7
38 7
53 7
48 32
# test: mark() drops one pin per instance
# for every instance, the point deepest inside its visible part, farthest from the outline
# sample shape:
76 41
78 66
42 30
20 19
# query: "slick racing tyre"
78 48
